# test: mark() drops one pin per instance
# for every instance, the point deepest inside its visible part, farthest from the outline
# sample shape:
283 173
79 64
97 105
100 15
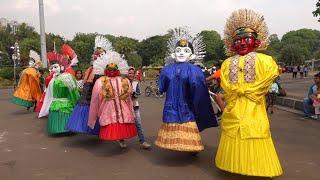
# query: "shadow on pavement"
94 145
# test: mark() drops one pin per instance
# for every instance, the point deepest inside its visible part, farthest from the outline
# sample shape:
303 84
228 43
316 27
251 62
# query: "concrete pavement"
26 152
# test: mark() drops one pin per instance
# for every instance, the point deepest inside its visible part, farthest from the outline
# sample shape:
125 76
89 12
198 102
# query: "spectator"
272 96
294 72
79 79
144 75
139 76
316 104
312 96
301 71
136 93
305 70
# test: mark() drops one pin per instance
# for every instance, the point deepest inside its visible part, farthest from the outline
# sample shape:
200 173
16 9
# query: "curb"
291 104
283 108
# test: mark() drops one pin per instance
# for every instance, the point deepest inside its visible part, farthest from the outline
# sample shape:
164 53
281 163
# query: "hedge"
7 72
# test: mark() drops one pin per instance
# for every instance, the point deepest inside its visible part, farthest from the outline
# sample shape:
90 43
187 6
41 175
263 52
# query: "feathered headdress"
115 60
68 51
248 21
54 57
35 56
102 42
183 37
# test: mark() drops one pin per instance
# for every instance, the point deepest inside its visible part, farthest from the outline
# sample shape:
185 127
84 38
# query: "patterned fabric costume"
187 109
246 145
78 121
111 102
61 96
40 103
65 97
28 90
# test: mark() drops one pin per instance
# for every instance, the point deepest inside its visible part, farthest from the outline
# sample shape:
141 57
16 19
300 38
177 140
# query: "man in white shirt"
136 93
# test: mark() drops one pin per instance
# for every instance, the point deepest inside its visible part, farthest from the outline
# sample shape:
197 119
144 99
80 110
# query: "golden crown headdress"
183 37
245 20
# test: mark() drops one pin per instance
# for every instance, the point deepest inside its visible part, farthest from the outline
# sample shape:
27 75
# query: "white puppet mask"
183 54
32 63
56 69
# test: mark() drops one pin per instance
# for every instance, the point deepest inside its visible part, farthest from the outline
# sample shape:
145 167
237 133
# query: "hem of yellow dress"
248 174
265 146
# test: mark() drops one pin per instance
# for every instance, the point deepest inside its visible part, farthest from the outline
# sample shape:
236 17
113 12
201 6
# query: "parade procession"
184 105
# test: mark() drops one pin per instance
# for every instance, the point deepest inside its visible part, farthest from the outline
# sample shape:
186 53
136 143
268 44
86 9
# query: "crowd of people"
73 100
302 70
103 101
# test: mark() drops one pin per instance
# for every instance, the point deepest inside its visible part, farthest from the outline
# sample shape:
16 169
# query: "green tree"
5 60
83 45
125 45
316 12
153 49
316 54
25 31
134 60
26 45
292 54
52 39
307 40
6 41
84 51
274 46
214 46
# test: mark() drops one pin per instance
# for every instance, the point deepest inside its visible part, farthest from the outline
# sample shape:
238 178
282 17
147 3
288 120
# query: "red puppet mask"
245 41
112 70
112 73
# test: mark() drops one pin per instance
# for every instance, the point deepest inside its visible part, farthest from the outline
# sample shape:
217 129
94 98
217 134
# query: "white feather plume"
35 56
114 57
103 43
100 64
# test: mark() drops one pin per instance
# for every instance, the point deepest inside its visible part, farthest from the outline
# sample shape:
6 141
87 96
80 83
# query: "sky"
141 19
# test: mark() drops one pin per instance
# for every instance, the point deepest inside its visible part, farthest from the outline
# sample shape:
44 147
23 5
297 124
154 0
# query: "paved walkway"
27 152
297 88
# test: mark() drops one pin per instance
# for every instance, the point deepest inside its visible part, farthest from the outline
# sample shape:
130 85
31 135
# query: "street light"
16 61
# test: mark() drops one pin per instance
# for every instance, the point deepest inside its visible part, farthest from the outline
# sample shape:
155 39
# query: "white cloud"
52 7
77 8
23 4
128 20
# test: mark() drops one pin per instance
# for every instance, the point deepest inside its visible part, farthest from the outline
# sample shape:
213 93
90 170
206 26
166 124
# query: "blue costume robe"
187 96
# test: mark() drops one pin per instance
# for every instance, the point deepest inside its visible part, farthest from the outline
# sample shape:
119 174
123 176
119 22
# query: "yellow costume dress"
28 90
246 145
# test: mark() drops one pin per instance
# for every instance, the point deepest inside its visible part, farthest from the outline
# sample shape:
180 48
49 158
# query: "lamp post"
16 53
16 61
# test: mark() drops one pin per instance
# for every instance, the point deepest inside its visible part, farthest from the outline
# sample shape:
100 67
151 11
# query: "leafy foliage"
153 50
134 60
214 46
295 46
316 12
7 72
